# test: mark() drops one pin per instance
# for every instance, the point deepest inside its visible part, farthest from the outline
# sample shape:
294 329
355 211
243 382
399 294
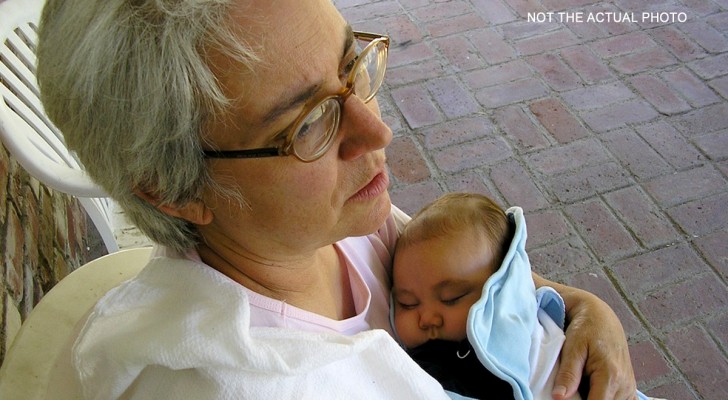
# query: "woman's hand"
596 345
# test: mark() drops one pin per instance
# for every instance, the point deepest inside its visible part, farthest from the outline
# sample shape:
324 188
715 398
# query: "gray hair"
127 83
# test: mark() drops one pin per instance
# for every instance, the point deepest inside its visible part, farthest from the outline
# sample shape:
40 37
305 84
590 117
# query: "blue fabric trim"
501 322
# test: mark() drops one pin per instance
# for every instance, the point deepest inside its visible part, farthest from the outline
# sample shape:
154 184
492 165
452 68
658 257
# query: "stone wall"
44 235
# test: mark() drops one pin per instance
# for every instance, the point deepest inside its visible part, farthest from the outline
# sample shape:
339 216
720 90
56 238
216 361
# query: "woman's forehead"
296 41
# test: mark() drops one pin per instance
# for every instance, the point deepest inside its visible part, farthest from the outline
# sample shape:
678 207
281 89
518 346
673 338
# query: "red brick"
461 23
411 198
416 106
412 4
714 145
598 96
557 74
390 114
545 228
676 42
665 100
410 73
405 161
459 52
645 273
703 216
683 186
705 120
701 360
618 115
588 182
562 125
519 128
597 283
642 217
636 155
719 329
714 249
689 86
639 62
456 131
517 186
369 10
648 362
670 144
411 53
503 73
568 157
590 68
523 7
13 255
560 258
4 178
522 29
684 301
492 47
623 45
720 85
402 30
672 390
512 92
468 155
440 11
601 230
542 43
559 5
711 67
493 11
469 181
705 35
719 21
453 100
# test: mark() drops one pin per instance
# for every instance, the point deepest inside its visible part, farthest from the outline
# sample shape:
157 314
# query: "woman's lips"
373 189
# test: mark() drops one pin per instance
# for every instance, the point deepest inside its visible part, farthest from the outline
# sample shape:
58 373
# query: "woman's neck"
317 283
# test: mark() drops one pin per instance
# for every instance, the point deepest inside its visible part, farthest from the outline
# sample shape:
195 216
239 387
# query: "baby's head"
443 258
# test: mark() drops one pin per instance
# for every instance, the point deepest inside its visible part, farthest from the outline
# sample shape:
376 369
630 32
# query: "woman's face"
294 207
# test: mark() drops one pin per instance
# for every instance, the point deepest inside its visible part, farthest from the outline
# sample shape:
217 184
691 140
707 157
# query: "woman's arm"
595 344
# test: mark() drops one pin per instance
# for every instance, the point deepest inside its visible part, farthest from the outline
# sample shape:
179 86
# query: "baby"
465 307
443 259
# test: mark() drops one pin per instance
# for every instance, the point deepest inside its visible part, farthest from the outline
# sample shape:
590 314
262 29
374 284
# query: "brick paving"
612 135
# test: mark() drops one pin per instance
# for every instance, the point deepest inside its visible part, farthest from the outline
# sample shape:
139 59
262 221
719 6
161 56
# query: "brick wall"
44 235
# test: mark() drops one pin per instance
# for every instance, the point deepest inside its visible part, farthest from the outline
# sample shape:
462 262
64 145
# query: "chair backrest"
25 129
37 364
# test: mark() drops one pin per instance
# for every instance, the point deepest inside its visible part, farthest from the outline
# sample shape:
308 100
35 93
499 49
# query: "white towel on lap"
181 330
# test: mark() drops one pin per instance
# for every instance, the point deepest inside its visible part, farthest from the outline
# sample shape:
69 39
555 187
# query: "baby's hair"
454 213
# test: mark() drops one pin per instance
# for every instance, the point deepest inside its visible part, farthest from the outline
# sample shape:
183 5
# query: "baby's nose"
429 319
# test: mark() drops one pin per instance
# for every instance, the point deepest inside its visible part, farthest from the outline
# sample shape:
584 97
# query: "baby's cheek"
405 327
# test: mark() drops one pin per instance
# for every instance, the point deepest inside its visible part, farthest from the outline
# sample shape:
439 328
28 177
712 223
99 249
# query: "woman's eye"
349 67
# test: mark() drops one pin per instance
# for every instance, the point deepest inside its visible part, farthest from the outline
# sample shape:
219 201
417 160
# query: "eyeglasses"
313 132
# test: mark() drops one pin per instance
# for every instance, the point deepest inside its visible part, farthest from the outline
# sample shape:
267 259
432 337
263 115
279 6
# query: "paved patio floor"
610 129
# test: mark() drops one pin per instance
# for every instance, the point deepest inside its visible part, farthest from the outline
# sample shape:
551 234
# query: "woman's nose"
362 128
430 319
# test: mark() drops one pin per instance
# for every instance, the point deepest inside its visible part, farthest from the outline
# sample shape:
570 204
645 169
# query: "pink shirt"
368 260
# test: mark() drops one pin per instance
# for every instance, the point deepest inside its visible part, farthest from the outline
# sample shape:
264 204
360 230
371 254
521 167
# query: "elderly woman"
243 137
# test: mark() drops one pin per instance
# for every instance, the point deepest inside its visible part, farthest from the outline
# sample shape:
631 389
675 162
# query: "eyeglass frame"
286 148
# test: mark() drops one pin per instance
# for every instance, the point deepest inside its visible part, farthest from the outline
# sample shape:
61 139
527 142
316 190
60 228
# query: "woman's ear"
195 212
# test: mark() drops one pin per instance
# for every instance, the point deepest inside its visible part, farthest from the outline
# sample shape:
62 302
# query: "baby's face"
435 284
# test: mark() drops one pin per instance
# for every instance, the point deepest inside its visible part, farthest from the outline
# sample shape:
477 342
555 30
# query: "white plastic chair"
38 363
25 129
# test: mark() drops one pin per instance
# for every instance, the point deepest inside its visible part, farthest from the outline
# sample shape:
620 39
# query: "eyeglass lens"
319 127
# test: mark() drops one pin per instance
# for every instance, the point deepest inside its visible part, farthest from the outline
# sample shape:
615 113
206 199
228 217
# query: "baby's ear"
195 212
